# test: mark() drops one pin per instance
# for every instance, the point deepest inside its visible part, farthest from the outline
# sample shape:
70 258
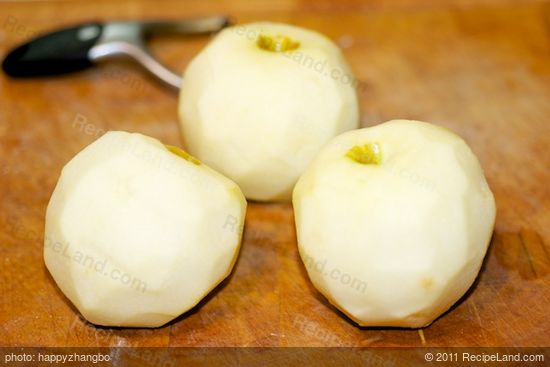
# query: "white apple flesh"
138 232
261 100
399 216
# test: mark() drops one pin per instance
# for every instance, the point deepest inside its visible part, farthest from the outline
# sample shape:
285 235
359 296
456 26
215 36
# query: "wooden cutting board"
480 68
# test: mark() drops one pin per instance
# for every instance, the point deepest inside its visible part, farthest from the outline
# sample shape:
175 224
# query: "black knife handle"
54 53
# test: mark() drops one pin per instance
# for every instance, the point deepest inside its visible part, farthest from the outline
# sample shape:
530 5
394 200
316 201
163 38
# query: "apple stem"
366 154
277 43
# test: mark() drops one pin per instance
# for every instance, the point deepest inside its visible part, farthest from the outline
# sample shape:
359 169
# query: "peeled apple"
393 222
260 101
138 232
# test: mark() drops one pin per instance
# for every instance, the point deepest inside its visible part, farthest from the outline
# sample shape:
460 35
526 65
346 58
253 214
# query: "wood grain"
480 68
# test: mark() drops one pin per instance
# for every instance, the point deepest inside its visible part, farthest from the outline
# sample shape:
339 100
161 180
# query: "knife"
82 46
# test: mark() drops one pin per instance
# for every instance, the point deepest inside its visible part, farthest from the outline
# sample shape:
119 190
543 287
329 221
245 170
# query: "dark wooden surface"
481 68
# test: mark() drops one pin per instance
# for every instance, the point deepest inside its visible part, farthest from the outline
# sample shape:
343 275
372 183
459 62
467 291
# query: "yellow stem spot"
183 154
366 154
277 43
